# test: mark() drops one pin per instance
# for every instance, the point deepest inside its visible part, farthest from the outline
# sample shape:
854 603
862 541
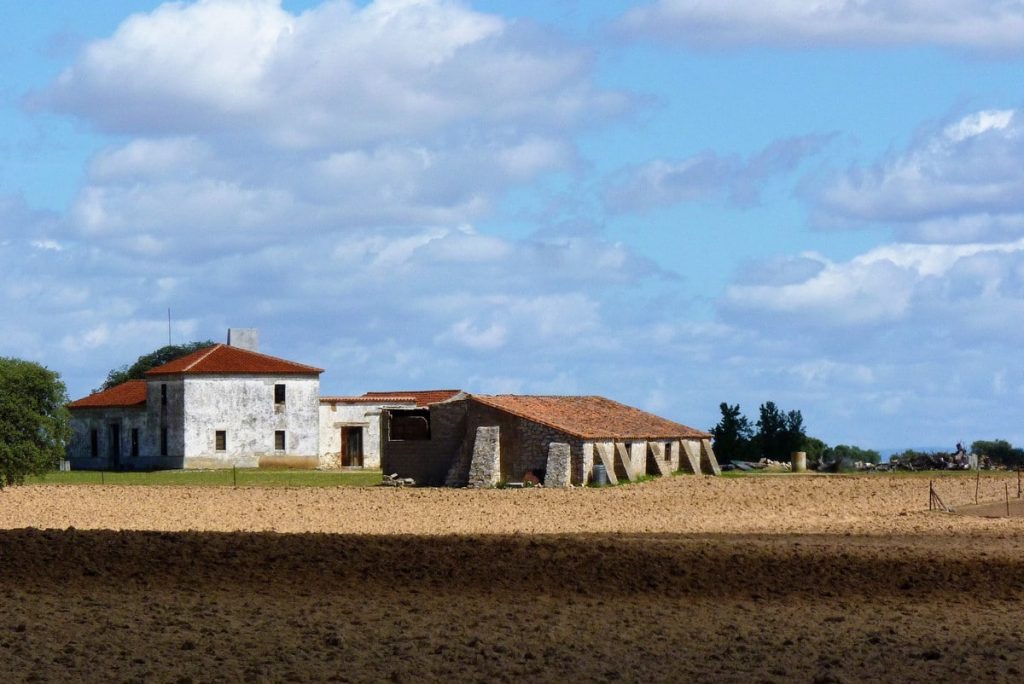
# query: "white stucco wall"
335 416
243 407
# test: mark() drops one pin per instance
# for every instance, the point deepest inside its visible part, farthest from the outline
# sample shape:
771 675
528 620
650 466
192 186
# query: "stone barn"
219 407
482 440
350 427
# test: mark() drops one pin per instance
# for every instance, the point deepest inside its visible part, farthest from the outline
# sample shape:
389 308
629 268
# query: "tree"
999 451
732 434
815 449
779 434
846 455
137 371
34 423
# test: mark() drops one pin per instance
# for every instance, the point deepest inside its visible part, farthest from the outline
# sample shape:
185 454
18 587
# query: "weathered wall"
243 407
335 416
85 420
427 461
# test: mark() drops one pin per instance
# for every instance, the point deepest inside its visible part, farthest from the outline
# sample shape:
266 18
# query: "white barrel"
798 459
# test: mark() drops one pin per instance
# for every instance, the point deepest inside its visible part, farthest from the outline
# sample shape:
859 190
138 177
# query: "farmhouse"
482 440
222 406
229 405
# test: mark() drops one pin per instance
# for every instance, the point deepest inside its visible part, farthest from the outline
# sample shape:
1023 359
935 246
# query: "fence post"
234 476
1007 487
977 483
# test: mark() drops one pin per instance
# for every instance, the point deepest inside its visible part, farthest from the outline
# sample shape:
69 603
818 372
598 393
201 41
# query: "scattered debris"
393 480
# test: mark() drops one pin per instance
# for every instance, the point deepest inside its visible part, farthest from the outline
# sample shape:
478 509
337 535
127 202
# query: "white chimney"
244 338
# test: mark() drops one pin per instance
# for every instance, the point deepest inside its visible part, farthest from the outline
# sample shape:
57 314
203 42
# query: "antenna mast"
168 326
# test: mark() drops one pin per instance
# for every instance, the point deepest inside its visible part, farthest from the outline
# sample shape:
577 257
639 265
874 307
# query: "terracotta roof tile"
590 417
376 399
221 358
131 393
422 397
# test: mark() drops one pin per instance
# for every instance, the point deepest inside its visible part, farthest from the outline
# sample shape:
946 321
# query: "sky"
671 203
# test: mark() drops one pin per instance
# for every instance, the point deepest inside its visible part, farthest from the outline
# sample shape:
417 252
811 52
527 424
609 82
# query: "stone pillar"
559 461
485 468
673 456
638 456
587 463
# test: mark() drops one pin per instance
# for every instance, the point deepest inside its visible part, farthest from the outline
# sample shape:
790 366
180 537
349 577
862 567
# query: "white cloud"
976 25
335 74
962 183
707 176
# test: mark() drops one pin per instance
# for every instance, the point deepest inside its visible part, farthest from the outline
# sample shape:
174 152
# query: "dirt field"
781 579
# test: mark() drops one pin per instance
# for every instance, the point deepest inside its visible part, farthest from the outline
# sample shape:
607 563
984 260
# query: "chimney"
244 338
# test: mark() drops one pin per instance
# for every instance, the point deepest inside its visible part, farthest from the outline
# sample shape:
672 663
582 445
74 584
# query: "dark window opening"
222 440
279 440
114 447
163 395
411 424
135 442
279 394
94 443
163 441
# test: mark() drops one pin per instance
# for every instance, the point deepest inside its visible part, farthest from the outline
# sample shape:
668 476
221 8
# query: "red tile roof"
131 393
422 397
590 417
221 358
376 399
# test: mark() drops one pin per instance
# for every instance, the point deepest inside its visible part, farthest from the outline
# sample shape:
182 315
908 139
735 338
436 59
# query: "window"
94 443
409 424
163 441
279 440
279 394
163 395
222 440
135 442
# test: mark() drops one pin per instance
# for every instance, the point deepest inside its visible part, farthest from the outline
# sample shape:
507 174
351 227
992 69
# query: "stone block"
691 462
485 468
708 461
558 471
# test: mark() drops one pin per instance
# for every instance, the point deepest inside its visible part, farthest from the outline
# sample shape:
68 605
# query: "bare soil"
789 578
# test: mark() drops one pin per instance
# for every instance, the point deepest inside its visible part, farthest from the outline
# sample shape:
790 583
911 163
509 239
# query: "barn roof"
414 397
131 393
590 417
222 358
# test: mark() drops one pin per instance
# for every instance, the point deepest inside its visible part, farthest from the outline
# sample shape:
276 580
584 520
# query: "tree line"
778 434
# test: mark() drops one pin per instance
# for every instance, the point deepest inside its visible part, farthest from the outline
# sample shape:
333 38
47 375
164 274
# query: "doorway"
352 446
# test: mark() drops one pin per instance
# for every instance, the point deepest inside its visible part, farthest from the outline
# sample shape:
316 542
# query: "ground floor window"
94 443
135 442
279 440
221 440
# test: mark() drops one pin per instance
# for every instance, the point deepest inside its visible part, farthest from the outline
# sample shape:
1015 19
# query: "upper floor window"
279 394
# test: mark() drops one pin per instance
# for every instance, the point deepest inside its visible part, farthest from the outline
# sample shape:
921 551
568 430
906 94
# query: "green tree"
778 433
137 370
815 449
732 434
34 423
999 451
848 455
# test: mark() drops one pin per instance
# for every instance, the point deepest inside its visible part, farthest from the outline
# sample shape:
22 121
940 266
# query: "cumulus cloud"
961 183
975 25
707 176
337 74
248 124
925 286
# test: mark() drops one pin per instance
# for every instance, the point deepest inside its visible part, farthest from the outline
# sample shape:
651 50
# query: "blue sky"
668 202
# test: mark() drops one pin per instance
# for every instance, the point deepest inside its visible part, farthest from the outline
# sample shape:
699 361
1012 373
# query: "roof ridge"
209 351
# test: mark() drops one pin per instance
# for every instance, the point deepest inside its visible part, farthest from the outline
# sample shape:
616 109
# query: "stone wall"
559 469
427 461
